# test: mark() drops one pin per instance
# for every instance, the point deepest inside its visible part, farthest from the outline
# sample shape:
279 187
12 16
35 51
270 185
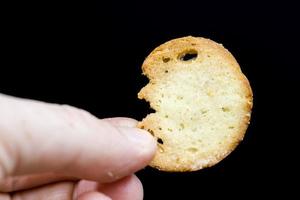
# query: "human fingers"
61 191
121 121
128 188
37 137
12 184
93 196
23 182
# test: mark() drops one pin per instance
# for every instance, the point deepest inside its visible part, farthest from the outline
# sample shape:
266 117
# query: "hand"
50 151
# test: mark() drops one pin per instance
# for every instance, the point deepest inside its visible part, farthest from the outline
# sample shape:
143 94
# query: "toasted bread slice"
202 101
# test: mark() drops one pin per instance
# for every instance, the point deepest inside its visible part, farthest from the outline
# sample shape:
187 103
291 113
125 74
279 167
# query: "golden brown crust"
161 61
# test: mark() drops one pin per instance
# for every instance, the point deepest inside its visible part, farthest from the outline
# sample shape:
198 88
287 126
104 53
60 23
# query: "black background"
89 56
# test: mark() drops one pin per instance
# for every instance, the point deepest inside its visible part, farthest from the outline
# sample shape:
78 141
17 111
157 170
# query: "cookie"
202 103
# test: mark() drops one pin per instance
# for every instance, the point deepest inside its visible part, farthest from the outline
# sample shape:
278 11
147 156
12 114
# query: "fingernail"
139 137
121 121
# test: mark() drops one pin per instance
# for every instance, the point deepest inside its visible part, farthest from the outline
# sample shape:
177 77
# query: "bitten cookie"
202 101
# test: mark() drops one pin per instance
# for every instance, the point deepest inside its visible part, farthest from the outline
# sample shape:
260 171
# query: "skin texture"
50 151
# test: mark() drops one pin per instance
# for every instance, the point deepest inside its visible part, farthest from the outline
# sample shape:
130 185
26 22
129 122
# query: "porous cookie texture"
202 103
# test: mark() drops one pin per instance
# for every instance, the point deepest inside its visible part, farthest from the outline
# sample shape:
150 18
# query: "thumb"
37 137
